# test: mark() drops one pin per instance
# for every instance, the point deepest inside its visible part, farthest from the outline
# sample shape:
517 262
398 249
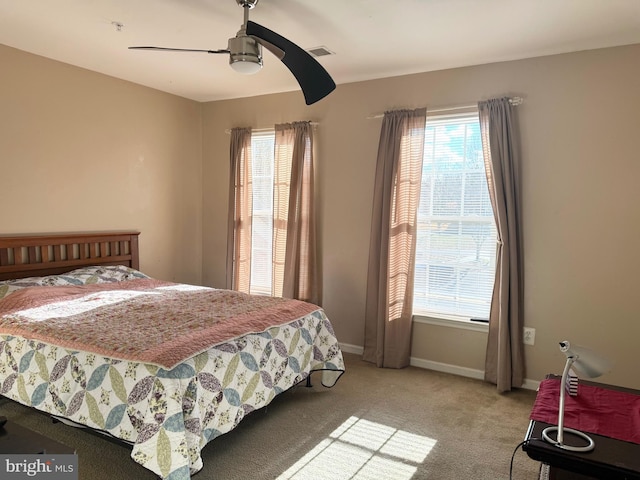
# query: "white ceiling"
370 38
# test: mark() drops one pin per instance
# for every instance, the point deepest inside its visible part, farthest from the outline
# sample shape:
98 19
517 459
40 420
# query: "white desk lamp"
589 364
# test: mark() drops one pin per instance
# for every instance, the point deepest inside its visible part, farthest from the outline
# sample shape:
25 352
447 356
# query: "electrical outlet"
529 336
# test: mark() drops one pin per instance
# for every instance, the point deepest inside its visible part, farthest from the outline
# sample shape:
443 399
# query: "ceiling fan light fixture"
246 66
245 55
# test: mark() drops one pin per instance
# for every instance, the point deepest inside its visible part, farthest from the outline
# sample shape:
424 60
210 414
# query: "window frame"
441 318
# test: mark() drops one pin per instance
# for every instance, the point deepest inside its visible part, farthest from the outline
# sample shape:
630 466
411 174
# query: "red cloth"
605 412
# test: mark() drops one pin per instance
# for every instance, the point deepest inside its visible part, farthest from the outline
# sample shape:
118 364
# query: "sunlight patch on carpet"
363 450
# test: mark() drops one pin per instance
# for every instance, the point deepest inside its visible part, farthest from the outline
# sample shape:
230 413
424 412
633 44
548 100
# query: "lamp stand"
559 441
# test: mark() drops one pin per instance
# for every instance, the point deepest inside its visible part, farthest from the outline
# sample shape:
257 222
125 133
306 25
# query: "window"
262 163
271 216
456 240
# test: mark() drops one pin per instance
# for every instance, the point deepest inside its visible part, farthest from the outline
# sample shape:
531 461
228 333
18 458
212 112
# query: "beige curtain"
393 239
504 364
294 228
240 208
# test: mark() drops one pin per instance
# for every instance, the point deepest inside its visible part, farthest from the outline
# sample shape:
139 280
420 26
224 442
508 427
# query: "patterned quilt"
144 320
169 414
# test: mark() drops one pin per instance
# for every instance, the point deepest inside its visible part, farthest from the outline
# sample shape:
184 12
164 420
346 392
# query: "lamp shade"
585 361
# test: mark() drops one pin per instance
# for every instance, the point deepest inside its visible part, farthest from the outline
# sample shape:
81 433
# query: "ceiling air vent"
320 51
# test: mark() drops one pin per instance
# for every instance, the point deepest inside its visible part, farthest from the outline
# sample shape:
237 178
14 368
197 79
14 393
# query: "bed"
162 366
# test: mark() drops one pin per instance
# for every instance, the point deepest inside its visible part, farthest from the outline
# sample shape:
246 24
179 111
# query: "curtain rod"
515 101
268 129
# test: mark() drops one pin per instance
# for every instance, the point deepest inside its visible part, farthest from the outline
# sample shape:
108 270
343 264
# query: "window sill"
454 322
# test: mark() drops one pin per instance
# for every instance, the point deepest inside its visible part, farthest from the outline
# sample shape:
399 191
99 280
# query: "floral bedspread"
169 415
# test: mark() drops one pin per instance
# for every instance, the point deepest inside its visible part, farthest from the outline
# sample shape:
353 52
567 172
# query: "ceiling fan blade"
178 49
314 80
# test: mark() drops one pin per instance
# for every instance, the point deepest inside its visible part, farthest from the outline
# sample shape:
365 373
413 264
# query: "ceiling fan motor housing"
245 54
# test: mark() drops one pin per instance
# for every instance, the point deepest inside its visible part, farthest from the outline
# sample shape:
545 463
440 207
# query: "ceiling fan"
245 56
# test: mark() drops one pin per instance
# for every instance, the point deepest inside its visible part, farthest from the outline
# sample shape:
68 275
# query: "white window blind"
456 240
262 161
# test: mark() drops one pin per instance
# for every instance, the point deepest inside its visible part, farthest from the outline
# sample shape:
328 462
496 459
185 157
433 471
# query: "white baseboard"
355 349
441 367
531 384
447 368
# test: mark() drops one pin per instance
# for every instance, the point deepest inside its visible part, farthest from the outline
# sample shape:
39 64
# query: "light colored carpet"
374 424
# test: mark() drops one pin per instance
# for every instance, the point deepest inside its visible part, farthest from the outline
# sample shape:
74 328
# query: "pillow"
104 274
80 276
10 286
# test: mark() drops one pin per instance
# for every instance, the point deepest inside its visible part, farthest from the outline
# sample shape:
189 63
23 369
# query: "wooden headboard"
51 254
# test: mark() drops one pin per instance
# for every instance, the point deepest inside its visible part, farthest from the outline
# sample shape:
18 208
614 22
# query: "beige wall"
83 151
80 151
581 202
